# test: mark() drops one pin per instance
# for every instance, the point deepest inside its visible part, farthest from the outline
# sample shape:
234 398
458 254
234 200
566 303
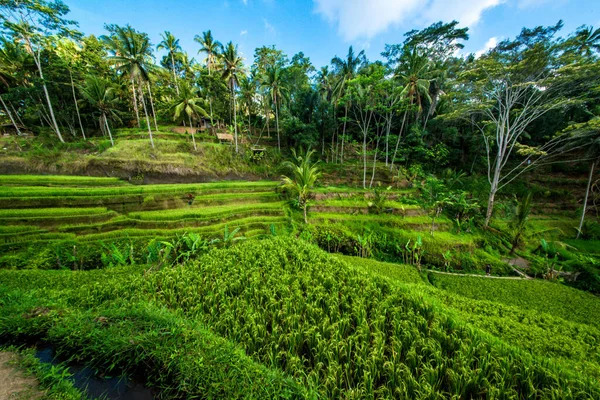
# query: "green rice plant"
50 212
536 295
299 311
58 180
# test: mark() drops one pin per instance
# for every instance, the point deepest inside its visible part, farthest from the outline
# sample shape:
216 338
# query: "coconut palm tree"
273 82
99 94
232 66
248 94
211 48
346 70
131 55
171 44
413 73
300 180
586 41
190 104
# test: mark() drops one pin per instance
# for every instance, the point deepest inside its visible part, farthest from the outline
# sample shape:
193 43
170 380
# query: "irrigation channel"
96 386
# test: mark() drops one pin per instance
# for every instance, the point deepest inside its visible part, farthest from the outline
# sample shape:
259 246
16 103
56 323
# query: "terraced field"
49 208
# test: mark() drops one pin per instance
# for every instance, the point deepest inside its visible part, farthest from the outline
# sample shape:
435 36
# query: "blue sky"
325 28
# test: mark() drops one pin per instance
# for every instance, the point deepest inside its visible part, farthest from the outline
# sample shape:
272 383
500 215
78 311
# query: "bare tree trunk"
587 192
491 199
192 129
398 141
147 117
108 130
152 106
277 124
15 113
10 116
174 76
50 109
234 120
344 134
135 102
305 216
76 105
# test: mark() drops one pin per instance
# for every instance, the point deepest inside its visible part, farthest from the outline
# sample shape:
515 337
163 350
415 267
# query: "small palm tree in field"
188 103
99 94
302 176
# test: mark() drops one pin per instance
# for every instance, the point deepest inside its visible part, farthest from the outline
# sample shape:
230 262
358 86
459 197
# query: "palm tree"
586 41
346 70
99 94
248 93
189 103
412 73
210 47
273 82
171 45
131 55
232 68
302 178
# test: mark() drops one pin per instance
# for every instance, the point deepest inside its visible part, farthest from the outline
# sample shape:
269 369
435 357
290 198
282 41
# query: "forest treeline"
530 100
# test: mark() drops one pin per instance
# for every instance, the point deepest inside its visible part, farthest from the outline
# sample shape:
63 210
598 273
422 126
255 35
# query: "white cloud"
269 28
366 18
245 2
490 44
244 32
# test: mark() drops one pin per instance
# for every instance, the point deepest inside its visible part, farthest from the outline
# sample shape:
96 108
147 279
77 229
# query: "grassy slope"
549 327
296 310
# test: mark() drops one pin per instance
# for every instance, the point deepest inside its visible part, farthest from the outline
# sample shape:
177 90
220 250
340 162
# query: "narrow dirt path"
14 384
485 276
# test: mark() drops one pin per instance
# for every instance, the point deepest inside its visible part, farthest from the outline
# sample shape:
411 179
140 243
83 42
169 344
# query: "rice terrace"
340 200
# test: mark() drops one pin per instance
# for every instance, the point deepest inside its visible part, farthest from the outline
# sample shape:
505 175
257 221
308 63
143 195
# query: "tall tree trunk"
10 116
147 117
50 109
234 120
398 141
387 139
491 199
364 158
344 134
192 129
277 124
174 76
152 106
374 161
587 192
305 212
135 103
108 130
76 105
15 113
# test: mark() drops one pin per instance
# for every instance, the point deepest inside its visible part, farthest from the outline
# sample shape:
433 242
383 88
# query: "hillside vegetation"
306 321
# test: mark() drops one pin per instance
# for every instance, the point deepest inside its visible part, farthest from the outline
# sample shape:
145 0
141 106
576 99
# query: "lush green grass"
222 187
535 295
571 344
297 313
399 272
585 246
58 180
50 212
199 213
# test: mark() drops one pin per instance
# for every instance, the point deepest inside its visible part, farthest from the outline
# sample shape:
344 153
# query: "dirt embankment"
14 384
